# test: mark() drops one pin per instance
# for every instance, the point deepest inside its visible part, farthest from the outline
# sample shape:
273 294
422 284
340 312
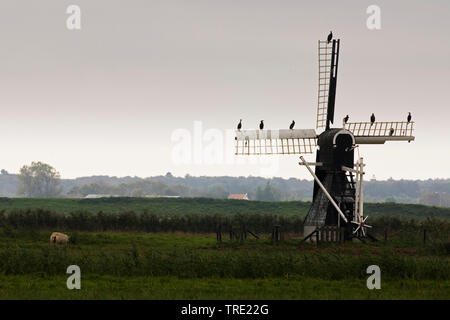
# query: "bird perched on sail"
372 119
409 117
261 125
391 132
330 37
346 118
292 125
239 126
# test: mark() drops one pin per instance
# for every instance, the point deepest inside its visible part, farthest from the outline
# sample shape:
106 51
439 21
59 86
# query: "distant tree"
157 187
138 192
268 193
176 190
438 199
217 191
39 180
294 196
390 199
96 188
3 171
74 191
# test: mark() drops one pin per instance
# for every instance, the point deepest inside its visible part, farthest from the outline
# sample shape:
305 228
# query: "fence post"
219 234
424 236
245 231
276 233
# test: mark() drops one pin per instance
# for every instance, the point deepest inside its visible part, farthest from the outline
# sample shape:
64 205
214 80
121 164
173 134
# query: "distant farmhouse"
96 196
239 196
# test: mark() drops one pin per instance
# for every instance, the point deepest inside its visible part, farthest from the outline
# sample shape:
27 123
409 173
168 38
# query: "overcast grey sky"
106 99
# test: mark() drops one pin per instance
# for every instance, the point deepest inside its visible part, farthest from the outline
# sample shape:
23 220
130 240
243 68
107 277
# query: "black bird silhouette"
292 125
346 118
239 125
409 117
330 37
261 125
372 119
391 132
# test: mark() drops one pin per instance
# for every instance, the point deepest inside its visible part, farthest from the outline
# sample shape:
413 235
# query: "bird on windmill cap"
261 125
346 119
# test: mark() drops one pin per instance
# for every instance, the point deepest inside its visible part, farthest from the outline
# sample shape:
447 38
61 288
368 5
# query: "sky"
125 93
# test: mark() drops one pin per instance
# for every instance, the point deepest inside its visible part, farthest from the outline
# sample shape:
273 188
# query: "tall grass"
202 222
191 263
144 221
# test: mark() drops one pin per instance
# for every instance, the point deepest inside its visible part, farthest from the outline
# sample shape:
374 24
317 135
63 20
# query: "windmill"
338 179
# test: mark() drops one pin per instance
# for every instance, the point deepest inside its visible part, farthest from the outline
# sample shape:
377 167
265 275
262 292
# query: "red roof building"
240 196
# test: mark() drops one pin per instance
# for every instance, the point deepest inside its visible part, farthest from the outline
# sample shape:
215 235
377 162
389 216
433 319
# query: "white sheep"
58 237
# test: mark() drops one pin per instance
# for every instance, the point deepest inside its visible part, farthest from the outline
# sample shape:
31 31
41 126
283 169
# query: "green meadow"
121 259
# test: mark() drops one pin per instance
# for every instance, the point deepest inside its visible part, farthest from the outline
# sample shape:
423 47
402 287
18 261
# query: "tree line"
43 181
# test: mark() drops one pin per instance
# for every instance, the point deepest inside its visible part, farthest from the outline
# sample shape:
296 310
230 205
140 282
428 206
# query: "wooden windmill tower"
338 179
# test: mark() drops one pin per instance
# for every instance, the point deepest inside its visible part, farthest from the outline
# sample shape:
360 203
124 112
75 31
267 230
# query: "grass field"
192 265
173 288
166 206
188 266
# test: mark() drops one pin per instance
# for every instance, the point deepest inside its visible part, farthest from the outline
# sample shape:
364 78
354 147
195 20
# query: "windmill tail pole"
323 189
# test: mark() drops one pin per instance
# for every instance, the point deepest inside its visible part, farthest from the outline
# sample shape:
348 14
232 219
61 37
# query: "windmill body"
338 179
334 152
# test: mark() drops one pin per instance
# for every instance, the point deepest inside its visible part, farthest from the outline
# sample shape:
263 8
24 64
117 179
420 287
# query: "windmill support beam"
317 164
324 190
361 176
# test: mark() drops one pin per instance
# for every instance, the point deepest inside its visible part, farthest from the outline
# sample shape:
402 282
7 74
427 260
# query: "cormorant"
372 119
239 125
292 125
409 117
330 37
346 118
261 125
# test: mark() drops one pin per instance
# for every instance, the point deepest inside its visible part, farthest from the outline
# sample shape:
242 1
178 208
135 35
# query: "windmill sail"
328 66
268 142
380 132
